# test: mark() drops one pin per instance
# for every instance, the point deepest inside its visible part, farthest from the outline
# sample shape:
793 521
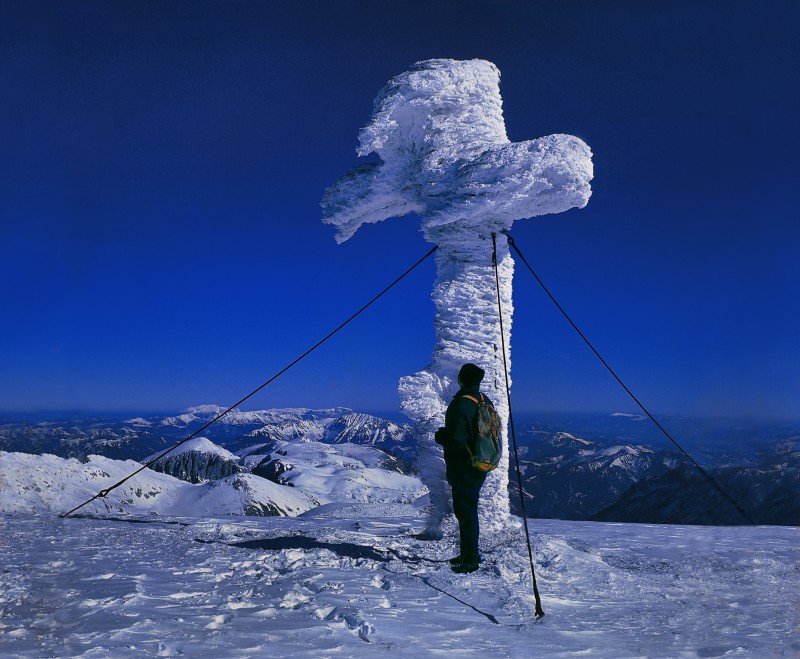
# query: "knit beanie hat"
470 375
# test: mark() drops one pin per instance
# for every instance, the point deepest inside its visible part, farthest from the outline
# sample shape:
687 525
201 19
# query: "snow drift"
354 582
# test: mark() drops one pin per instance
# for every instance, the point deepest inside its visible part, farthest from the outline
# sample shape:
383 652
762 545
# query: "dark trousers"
465 507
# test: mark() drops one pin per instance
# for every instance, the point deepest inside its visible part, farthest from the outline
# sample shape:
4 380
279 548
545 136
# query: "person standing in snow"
464 479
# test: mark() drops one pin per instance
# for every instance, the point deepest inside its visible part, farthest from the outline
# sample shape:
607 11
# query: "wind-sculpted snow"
439 134
354 582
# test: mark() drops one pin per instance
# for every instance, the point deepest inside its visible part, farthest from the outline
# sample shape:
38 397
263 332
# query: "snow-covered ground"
350 580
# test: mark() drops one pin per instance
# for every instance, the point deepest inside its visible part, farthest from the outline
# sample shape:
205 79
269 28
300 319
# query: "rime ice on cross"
439 132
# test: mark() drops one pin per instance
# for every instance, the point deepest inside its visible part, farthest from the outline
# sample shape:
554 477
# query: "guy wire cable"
708 476
539 612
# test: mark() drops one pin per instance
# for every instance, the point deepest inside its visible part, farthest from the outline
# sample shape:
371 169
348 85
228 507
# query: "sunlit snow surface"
334 584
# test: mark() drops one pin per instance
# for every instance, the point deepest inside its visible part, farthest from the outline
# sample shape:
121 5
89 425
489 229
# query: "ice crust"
439 133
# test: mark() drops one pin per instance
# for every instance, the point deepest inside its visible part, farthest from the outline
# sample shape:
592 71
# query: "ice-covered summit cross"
439 133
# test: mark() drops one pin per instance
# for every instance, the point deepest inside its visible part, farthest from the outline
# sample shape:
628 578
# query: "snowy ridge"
330 426
236 417
682 495
199 445
48 484
45 483
201 478
291 429
335 427
253 496
339 472
567 439
366 429
320 473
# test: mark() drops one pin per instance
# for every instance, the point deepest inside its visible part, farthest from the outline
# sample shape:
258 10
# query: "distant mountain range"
769 495
276 462
283 461
567 477
140 437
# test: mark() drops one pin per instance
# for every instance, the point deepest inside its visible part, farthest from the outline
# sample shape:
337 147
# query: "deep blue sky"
162 165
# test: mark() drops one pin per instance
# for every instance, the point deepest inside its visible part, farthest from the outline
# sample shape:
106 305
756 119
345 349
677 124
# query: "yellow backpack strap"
472 398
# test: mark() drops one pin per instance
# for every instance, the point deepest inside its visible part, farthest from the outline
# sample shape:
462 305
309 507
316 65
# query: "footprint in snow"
380 582
295 598
353 621
219 621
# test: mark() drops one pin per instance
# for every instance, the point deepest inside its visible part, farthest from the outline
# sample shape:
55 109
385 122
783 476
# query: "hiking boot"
458 560
466 564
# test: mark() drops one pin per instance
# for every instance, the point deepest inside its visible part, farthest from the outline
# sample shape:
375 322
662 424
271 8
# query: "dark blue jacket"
458 430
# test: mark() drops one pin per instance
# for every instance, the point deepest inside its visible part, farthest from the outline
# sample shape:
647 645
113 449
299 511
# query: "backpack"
484 444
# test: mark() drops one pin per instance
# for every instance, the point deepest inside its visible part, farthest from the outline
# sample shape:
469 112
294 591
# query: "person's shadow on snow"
345 549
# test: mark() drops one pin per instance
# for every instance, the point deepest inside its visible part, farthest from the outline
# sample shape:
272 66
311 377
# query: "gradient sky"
162 165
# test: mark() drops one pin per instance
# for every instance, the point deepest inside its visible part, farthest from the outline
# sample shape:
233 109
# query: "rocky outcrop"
196 466
198 460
